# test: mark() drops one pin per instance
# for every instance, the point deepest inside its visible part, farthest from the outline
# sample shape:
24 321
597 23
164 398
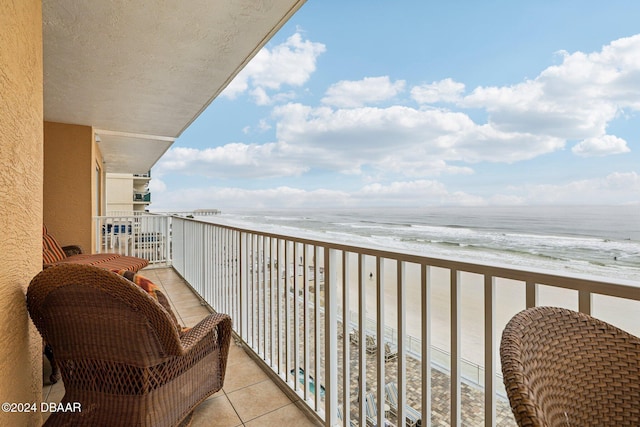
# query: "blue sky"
419 103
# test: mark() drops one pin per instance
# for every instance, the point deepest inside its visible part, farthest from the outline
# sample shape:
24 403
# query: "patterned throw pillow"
152 289
51 250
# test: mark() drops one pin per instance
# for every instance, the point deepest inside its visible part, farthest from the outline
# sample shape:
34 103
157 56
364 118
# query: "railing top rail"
619 288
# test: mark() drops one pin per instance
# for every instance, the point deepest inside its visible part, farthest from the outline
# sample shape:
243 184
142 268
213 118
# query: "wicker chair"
121 356
563 368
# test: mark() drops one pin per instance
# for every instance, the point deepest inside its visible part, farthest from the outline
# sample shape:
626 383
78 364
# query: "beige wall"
20 202
98 187
71 157
120 192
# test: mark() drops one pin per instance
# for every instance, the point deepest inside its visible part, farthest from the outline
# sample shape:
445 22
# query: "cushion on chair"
53 253
152 289
51 249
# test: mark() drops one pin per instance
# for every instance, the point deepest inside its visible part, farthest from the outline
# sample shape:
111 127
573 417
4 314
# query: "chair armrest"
220 323
72 250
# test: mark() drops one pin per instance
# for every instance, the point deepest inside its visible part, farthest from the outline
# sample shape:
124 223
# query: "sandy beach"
509 299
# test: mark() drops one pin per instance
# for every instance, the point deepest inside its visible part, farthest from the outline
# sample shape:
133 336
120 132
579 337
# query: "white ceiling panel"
147 67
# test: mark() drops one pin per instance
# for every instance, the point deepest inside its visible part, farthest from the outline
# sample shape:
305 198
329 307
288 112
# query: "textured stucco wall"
69 169
21 182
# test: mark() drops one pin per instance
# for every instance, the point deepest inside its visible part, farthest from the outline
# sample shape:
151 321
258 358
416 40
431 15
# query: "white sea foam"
587 240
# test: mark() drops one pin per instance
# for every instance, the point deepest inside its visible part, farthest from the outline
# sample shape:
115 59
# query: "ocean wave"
532 245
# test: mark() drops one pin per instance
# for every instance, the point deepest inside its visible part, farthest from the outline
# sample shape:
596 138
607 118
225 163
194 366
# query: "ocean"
602 241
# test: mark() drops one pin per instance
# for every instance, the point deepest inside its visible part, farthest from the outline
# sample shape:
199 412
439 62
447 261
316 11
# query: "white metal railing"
145 236
438 312
265 281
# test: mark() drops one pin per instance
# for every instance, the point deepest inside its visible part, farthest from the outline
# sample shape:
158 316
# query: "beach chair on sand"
390 352
351 423
371 347
353 337
371 409
413 417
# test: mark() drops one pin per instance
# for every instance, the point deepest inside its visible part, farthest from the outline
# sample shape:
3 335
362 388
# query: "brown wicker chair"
121 356
563 368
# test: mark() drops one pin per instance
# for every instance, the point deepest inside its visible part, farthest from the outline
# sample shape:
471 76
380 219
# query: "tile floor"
249 397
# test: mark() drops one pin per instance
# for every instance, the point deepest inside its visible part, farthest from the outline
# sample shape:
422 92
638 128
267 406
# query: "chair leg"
187 421
55 371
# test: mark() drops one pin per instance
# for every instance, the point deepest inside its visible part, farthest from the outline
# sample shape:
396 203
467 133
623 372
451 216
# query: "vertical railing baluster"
455 349
380 297
278 287
331 337
296 317
402 322
531 294
262 280
218 269
244 311
346 345
224 268
237 266
585 299
305 317
252 293
287 312
273 322
489 351
317 324
425 295
362 324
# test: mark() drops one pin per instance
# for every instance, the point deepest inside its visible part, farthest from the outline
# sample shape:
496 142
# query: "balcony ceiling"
141 71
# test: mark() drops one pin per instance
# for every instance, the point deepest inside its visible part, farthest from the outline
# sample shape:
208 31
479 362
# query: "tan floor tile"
180 293
216 412
237 355
57 392
190 308
172 281
242 375
193 320
257 400
289 415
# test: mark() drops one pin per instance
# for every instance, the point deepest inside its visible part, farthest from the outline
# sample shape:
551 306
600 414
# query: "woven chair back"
85 312
563 368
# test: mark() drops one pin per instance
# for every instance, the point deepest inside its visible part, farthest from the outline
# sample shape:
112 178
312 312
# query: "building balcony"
142 197
351 320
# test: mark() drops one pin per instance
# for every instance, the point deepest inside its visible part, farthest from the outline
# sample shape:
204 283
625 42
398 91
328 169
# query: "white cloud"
260 96
157 185
386 142
396 147
615 188
290 63
602 146
235 160
573 100
446 90
419 166
403 138
370 90
241 198
410 193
